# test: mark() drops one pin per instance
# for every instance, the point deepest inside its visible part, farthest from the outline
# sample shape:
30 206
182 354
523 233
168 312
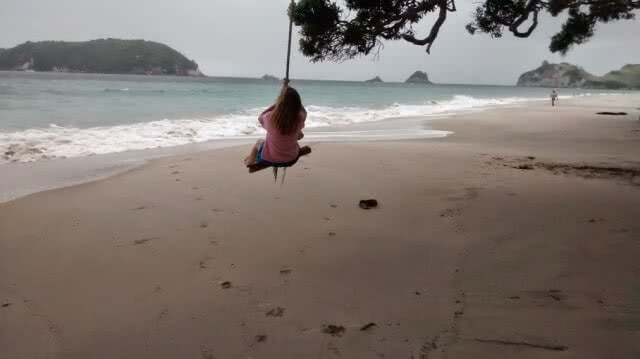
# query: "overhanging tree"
331 31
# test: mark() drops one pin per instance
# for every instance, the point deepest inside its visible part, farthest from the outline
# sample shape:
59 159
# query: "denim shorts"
262 161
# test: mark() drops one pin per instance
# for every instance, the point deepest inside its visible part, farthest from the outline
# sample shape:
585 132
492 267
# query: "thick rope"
286 80
286 77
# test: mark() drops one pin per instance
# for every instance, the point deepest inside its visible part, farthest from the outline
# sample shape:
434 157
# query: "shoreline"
26 178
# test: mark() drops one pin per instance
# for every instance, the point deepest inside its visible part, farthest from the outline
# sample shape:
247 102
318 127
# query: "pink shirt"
279 148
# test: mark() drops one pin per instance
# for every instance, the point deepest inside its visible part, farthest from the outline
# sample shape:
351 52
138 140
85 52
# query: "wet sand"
518 236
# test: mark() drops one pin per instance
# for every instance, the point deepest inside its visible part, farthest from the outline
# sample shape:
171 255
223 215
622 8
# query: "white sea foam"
56 141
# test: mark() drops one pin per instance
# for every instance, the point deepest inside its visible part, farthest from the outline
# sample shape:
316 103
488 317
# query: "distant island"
571 76
107 56
418 77
270 78
376 79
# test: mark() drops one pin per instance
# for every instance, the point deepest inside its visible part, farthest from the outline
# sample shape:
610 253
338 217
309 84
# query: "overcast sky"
248 38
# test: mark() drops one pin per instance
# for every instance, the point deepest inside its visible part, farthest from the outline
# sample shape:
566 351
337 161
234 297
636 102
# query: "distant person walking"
554 97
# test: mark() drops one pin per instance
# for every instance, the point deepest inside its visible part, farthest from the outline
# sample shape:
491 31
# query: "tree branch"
532 7
514 28
433 34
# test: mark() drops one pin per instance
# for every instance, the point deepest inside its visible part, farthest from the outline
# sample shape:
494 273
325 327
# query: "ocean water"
52 115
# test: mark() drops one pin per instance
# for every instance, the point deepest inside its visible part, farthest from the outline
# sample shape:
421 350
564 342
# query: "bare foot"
249 160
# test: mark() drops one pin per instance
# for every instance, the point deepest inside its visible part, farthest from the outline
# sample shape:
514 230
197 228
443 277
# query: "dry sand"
467 256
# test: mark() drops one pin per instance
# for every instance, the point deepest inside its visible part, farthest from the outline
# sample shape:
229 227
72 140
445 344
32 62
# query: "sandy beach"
516 237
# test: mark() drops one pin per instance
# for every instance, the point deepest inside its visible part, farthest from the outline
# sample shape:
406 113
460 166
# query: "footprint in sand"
163 313
472 193
204 224
450 213
260 338
554 294
367 327
5 305
139 208
429 345
199 198
175 172
202 264
285 271
594 220
207 354
333 330
332 349
275 312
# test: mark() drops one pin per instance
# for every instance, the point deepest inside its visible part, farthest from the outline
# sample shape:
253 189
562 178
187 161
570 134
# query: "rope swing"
303 151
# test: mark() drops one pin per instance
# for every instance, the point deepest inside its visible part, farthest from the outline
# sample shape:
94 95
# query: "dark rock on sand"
368 203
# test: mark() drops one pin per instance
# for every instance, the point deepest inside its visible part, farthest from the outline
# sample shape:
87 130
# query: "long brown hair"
286 113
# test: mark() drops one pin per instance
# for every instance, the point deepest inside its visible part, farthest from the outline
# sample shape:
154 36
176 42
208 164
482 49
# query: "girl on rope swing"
283 122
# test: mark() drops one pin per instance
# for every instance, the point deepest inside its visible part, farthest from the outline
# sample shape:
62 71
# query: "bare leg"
251 157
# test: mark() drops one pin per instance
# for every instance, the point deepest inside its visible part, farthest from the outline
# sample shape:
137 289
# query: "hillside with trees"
108 56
